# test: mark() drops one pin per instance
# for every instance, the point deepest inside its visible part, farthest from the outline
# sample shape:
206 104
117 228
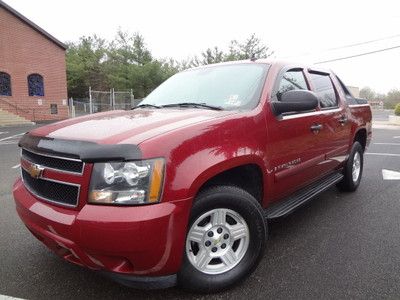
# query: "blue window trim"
35 85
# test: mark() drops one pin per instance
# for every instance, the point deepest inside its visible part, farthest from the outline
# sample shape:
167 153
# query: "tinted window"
292 80
324 89
349 97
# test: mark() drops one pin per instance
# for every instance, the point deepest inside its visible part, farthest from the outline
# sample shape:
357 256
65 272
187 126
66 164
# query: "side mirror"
296 101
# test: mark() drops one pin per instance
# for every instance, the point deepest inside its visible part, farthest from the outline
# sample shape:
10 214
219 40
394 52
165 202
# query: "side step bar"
285 207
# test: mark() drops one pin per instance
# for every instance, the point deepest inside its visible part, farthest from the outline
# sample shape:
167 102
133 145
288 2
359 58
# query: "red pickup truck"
180 189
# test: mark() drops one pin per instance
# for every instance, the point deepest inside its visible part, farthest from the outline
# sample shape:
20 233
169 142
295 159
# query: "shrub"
397 109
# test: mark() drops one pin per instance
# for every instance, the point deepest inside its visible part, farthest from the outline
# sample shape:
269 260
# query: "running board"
285 207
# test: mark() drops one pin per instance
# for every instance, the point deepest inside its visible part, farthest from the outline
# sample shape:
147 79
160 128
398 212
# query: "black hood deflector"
83 150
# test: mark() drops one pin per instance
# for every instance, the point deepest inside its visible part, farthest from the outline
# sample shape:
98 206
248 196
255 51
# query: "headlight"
127 183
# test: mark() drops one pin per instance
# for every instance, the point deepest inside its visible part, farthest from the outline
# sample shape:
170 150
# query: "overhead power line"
357 55
347 46
364 43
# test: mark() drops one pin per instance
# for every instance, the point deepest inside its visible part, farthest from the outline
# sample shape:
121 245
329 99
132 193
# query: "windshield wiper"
193 104
146 105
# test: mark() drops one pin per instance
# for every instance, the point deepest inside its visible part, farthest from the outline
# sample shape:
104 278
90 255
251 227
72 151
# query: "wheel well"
247 177
361 137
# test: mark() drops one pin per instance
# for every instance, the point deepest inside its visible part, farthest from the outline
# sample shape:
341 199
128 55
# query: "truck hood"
119 126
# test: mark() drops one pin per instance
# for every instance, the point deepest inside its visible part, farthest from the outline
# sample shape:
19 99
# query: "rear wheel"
225 239
353 169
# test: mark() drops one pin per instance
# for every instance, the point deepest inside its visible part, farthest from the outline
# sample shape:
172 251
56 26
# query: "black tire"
241 202
347 184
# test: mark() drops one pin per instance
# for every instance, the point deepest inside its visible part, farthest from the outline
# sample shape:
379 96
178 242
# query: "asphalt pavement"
339 246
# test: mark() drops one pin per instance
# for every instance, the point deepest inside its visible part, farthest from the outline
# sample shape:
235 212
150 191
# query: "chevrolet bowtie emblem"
35 171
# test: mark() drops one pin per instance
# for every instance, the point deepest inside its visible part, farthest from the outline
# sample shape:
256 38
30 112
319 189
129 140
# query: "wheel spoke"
196 234
219 217
203 258
238 231
229 257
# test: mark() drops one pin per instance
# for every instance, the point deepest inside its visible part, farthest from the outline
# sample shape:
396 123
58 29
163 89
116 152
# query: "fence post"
90 100
132 99
110 99
113 98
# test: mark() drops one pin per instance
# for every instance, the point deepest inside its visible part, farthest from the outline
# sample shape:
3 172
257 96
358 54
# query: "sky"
300 31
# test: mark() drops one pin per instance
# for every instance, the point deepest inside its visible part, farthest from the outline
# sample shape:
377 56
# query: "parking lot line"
16 166
5 297
383 154
12 136
390 144
3 132
390 175
9 143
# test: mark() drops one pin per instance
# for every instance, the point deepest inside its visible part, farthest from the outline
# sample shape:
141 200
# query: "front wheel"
353 169
225 239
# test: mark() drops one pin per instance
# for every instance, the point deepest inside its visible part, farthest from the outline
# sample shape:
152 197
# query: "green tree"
397 109
212 56
250 48
123 64
126 63
85 65
392 98
367 93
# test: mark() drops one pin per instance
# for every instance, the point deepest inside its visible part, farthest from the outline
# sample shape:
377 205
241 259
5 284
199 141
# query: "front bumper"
142 241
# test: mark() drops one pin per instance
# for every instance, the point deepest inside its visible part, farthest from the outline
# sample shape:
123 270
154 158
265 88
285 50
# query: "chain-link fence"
99 101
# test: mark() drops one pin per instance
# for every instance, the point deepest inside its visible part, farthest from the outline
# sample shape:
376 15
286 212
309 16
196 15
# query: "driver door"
297 152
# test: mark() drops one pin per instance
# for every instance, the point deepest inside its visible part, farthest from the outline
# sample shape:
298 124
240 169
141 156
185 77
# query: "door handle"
343 120
316 128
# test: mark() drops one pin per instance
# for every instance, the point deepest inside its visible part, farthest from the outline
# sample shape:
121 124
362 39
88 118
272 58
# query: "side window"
292 80
5 84
349 97
324 89
35 85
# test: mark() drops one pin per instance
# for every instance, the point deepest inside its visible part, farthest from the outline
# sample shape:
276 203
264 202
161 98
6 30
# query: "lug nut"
219 230
223 246
226 236
208 243
210 233
214 249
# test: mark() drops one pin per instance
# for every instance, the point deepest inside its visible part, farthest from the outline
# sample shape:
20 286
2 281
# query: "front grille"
58 163
49 190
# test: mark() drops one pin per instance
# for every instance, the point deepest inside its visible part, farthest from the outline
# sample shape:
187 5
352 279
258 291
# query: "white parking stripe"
4 297
9 143
383 154
397 137
390 175
16 166
12 136
392 144
3 132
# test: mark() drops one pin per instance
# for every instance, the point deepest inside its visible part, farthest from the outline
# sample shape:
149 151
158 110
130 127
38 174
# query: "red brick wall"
24 51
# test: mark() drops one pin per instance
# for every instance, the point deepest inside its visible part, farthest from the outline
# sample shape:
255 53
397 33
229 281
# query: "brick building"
32 69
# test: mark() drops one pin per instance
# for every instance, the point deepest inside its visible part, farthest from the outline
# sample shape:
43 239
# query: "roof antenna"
253 57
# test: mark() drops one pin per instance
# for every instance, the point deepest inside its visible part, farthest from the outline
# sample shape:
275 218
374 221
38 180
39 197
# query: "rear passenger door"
336 128
296 152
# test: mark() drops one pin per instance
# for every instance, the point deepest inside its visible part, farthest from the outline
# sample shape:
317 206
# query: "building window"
35 85
5 84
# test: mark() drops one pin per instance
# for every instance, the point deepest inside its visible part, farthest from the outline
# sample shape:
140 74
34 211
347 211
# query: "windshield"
225 86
